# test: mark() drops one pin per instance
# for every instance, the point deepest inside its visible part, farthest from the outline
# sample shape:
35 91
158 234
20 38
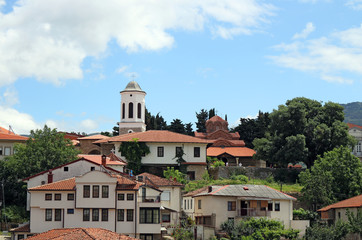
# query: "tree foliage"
154 122
173 173
45 149
258 229
202 117
334 177
177 126
250 128
133 151
323 232
301 130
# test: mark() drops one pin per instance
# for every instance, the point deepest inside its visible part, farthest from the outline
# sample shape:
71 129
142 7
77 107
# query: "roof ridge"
86 232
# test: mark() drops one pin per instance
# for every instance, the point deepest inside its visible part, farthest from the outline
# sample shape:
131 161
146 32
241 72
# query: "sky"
64 62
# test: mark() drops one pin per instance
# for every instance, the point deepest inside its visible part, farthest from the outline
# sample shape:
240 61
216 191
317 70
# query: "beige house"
97 199
170 197
163 146
7 141
214 205
337 211
356 131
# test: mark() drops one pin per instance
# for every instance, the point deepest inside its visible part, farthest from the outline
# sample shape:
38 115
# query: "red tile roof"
153 136
351 125
80 233
195 192
24 228
216 119
125 183
348 203
9 135
93 137
6 131
160 182
63 185
110 160
233 151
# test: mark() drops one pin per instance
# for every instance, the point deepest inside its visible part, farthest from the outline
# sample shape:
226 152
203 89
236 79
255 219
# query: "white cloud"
20 122
355 4
332 57
309 28
122 69
89 125
9 98
49 40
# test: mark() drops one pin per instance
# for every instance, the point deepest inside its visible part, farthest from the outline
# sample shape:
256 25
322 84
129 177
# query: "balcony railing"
150 199
252 212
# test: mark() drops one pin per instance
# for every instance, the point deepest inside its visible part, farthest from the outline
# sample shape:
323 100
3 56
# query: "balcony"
149 199
252 212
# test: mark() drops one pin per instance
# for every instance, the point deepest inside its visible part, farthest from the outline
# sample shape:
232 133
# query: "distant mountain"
353 113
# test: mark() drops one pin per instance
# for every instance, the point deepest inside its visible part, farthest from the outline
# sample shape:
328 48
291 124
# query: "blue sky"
64 62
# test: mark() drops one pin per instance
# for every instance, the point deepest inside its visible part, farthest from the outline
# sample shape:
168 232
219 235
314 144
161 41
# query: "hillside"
353 113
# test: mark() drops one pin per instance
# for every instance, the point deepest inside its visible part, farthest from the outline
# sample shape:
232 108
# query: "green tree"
325 232
177 126
45 149
250 128
355 222
334 177
301 130
115 131
202 117
188 129
133 152
258 229
212 113
173 173
154 122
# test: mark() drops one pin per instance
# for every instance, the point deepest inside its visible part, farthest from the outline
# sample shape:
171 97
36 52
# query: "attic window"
66 169
245 188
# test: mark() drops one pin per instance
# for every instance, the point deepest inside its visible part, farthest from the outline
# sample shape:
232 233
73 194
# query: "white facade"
357 134
169 153
131 211
132 109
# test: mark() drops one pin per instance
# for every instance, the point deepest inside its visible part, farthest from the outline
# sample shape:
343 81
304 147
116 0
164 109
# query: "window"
21 236
130 110
1 150
123 110
58 215
199 204
146 236
188 204
93 168
196 151
7 151
165 196
270 206
191 200
57 197
359 147
120 196
159 151
191 175
104 215
231 205
339 215
185 203
120 215
86 214
277 206
70 196
86 191
129 215
70 211
105 191
129 196
95 215
66 169
48 214
95 192
139 110
48 197
166 218
178 150
149 215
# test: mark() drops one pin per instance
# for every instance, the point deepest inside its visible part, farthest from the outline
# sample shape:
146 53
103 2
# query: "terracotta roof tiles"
93 137
348 203
153 136
63 185
160 182
12 137
80 233
233 151
351 125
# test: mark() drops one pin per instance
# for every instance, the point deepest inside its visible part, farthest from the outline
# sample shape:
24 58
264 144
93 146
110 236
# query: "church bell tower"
132 109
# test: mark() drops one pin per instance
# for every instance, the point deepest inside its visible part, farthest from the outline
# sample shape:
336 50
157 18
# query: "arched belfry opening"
132 109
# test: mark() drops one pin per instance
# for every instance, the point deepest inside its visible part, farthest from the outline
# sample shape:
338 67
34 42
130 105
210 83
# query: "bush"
323 232
301 214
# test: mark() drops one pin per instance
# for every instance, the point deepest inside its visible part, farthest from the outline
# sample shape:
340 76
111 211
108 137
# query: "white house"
356 131
97 199
84 164
163 146
213 205
170 198
7 141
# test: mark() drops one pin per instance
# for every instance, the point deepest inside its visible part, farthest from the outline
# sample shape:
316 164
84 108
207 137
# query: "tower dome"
132 109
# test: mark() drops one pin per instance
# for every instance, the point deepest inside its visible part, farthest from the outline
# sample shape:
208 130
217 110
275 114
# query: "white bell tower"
132 109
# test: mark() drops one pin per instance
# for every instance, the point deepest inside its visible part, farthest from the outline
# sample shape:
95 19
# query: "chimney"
209 189
104 160
50 176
